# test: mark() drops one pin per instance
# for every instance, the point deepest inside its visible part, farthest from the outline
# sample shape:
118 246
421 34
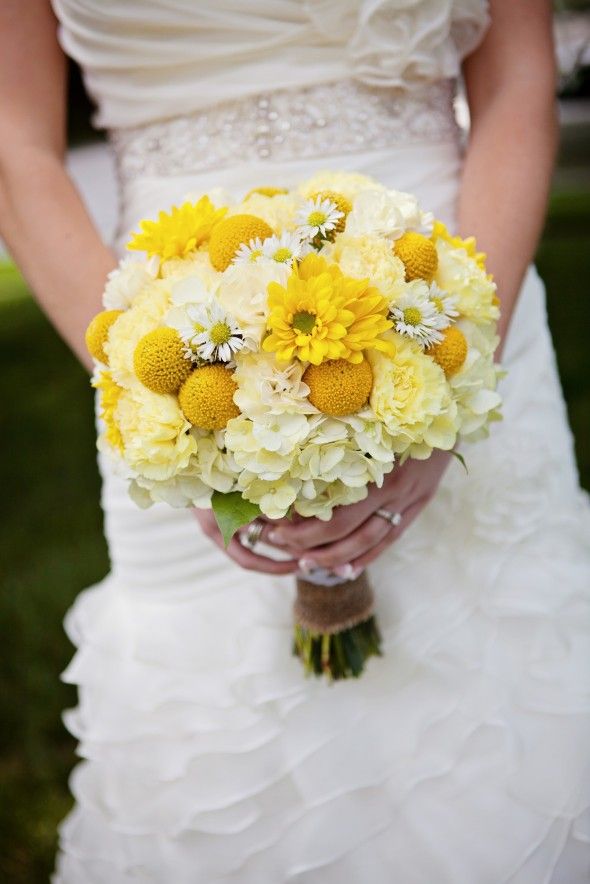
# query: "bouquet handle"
335 627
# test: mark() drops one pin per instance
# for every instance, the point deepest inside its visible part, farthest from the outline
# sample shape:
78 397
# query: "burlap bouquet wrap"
332 609
335 628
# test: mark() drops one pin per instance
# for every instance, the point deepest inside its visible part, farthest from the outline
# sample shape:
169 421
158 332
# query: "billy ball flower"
231 233
97 334
207 397
418 255
451 352
159 361
338 387
179 232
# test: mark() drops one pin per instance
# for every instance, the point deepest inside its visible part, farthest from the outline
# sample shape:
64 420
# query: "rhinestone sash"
286 124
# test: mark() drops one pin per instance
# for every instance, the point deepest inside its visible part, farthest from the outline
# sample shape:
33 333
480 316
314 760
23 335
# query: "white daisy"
318 217
415 315
446 306
211 333
249 253
283 249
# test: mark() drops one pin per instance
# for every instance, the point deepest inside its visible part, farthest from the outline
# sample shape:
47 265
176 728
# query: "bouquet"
279 354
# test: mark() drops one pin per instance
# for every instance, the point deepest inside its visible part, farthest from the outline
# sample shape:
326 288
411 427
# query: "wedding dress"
461 756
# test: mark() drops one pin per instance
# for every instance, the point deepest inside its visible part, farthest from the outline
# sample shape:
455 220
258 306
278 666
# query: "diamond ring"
252 535
393 518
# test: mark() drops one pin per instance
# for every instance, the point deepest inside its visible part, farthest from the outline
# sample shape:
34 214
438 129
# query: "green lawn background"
51 543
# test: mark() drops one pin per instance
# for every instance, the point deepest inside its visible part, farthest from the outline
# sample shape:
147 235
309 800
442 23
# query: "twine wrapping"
331 609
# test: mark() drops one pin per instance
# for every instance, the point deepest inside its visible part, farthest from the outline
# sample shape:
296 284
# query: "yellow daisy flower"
176 234
322 314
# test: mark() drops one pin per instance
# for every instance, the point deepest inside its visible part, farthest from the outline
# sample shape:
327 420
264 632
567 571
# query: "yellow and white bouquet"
279 354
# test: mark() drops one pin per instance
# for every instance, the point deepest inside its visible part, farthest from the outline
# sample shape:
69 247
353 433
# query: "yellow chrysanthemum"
110 393
439 231
97 334
266 191
338 387
178 233
207 397
233 232
343 204
159 361
322 314
418 255
451 353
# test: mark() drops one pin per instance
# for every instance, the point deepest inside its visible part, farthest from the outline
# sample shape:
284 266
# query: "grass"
51 543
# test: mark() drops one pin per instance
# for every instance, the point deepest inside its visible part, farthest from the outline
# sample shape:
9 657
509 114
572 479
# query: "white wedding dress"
461 756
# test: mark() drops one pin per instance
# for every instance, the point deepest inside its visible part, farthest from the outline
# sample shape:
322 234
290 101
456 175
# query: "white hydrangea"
245 449
474 386
274 497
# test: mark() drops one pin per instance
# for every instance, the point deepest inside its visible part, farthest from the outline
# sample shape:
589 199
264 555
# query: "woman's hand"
355 535
240 554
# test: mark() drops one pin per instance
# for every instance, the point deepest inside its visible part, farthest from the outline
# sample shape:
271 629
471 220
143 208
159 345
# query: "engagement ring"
252 535
393 518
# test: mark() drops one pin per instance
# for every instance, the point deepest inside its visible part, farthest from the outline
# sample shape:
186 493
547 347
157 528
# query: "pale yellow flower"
349 184
369 257
278 211
411 396
156 436
143 316
460 274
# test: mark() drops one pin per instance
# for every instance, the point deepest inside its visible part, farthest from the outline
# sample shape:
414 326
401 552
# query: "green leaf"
461 459
232 512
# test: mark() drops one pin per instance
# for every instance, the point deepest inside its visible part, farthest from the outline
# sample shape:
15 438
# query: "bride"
461 755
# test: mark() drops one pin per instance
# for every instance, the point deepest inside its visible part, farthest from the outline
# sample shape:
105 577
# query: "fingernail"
345 571
307 565
276 537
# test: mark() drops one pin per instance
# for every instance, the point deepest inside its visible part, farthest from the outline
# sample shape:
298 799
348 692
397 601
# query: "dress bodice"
146 60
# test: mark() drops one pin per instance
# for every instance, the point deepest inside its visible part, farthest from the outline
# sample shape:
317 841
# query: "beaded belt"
286 124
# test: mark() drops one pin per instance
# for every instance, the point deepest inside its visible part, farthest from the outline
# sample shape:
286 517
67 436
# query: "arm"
42 218
510 83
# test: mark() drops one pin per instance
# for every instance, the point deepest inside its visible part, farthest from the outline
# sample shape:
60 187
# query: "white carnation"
126 282
386 213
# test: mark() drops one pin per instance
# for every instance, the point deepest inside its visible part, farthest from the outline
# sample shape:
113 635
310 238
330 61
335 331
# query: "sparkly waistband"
286 124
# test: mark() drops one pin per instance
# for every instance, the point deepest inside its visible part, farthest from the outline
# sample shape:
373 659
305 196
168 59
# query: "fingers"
312 532
242 556
369 534
393 534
